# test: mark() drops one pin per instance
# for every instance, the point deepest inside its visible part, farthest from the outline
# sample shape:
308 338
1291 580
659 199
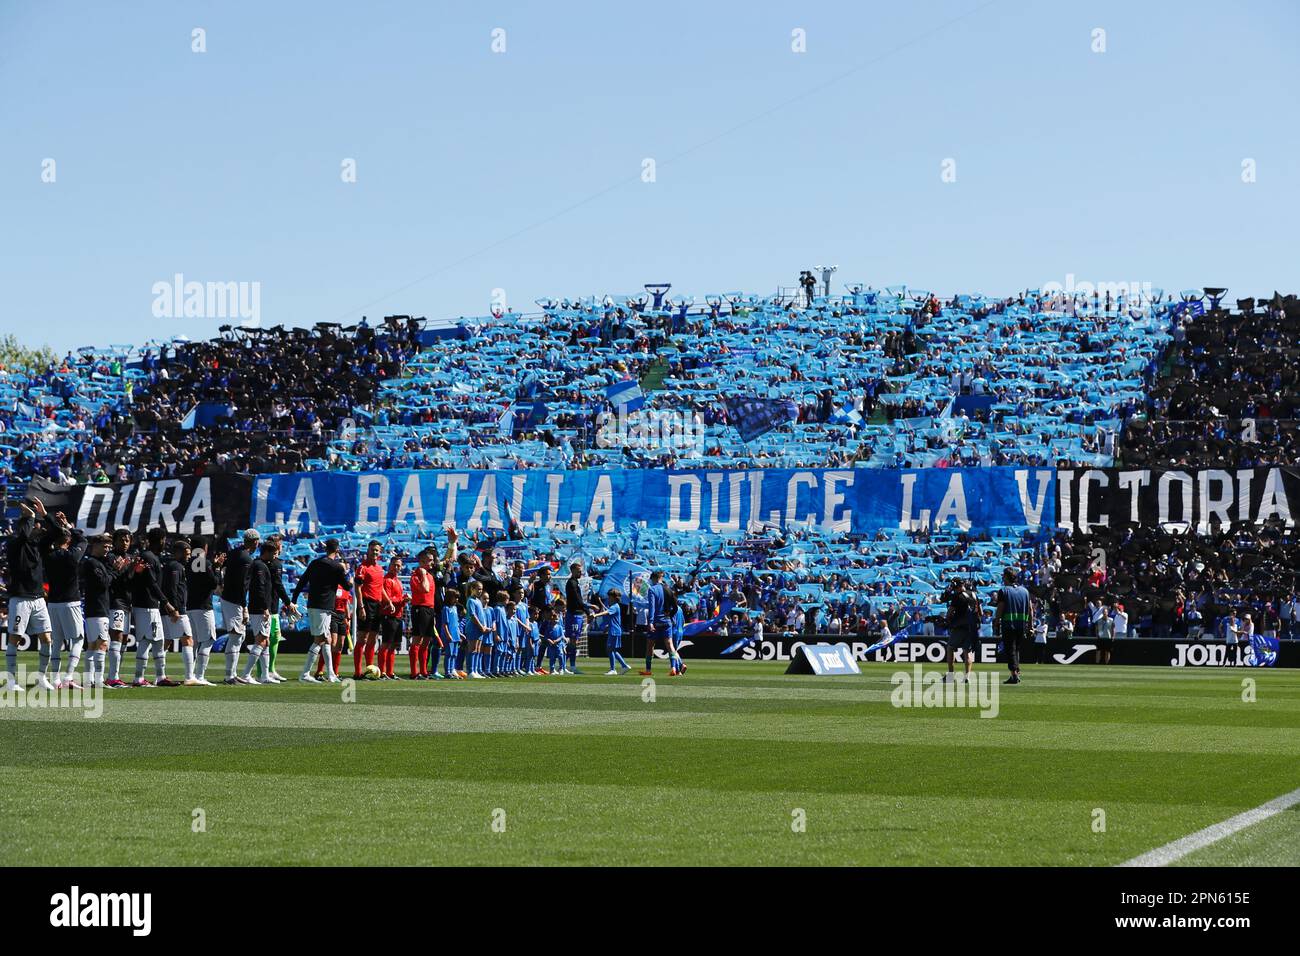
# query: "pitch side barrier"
1148 652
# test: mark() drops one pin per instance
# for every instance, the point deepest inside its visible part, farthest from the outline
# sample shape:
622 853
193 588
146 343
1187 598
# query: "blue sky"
522 170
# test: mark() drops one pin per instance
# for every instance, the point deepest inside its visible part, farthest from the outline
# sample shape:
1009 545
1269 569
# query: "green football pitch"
735 763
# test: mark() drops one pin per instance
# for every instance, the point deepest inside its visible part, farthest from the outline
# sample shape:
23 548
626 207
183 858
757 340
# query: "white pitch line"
1164 855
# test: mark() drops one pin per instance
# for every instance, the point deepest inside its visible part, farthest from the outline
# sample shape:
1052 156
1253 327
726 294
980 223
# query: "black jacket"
61 565
120 593
235 586
573 601
146 584
175 586
200 586
278 594
97 577
26 567
322 579
259 587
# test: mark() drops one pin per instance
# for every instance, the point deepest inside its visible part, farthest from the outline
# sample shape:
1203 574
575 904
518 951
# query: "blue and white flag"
758 416
187 422
626 395
506 423
902 633
631 579
1263 651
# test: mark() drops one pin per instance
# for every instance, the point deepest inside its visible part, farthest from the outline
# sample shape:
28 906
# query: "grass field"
713 770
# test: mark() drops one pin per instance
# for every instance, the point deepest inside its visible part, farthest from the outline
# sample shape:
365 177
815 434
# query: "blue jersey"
556 634
655 596
616 621
477 622
451 622
527 632
501 622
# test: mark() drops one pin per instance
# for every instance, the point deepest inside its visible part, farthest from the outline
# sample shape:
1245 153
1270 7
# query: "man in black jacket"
575 616
175 588
261 593
279 600
322 579
148 605
66 545
119 605
28 614
97 571
202 581
234 599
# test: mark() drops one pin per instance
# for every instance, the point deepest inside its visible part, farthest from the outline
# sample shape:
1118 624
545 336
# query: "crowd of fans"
879 379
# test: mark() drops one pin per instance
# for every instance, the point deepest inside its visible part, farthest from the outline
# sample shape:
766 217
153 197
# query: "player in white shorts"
119 614
148 606
234 601
202 581
63 596
28 615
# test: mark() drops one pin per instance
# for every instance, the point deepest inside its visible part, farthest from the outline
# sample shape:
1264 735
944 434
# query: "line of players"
462 615
100 590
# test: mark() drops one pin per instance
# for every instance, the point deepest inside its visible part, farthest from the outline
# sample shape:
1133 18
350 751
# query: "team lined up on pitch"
88 595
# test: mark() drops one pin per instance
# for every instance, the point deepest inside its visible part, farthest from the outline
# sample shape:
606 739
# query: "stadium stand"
884 379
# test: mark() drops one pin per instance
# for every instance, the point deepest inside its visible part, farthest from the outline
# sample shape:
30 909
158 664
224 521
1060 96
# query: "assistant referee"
1015 617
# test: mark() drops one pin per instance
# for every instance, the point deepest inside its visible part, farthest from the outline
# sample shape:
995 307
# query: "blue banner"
858 500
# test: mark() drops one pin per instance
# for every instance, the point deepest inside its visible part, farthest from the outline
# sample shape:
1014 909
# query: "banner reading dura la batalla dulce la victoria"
857 500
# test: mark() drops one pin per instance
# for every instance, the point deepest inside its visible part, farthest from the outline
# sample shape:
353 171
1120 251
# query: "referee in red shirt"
370 582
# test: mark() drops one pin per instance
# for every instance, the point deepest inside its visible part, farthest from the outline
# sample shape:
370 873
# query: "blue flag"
631 579
757 416
902 633
625 394
1262 651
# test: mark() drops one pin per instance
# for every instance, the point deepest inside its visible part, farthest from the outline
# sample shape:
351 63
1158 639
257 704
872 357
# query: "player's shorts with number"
96 629
118 620
28 616
147 624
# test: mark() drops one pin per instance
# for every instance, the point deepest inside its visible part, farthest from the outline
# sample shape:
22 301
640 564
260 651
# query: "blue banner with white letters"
858 500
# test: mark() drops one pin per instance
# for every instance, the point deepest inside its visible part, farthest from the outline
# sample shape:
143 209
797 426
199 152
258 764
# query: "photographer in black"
963 625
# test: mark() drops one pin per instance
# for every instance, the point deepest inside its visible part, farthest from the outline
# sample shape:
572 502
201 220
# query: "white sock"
254 653
312 653
160 659
97 666
141 655
187 659
114 659
232 654
201 664
74 656
329 660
